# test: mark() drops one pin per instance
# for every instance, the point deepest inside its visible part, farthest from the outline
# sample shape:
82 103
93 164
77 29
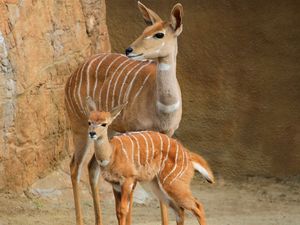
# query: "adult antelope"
149 157
150 88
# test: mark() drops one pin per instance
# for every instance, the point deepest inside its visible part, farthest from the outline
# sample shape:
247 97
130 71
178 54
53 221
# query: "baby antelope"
149 157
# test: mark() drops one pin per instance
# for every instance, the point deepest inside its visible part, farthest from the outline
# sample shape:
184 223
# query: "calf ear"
116 111
149 16
91 105
176 18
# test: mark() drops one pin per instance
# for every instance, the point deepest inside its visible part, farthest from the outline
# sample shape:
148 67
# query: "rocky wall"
41 43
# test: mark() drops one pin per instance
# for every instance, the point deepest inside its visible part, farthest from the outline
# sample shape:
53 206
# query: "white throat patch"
163 66
167 108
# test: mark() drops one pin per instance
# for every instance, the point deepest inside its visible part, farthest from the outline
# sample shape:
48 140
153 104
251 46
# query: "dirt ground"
254 201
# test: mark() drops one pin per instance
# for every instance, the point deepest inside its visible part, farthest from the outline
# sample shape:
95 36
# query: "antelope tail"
202 167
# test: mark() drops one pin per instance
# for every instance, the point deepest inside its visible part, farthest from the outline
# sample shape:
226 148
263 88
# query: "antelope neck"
103 150
168 92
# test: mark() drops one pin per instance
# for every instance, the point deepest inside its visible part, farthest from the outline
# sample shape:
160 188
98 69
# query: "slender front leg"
126 191
94 172
75 183
128 218
81 147
180 217
164 213
117 204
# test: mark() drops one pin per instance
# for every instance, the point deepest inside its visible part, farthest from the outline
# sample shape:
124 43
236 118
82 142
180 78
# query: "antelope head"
99 121
159 39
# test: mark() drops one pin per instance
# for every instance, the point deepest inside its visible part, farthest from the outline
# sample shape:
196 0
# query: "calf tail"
202 167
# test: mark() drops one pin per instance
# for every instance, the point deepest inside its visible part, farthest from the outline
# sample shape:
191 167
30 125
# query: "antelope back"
110 79
148 149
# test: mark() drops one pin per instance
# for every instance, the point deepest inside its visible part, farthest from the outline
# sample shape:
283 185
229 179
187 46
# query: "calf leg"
128 218
94 172
117 195
188 202
126 192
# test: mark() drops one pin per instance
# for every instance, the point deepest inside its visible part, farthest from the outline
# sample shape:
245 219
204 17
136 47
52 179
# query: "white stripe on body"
122 146
68 96
138 92
167 155
116 82
100 95
79 89
111 65
88 74
132 147
175 165
138 149
161 150
187 164
147 146
124 81
152 146
74 93
183 161
69 106
109 83
96 74
127 93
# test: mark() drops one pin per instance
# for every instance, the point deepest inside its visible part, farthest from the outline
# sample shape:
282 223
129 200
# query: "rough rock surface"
238 67
41 43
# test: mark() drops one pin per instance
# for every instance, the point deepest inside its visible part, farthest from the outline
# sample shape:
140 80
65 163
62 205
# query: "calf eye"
159 35
103 124
90 123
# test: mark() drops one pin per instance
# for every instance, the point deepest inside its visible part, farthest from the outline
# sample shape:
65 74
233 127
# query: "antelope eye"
90 123
159 35
103 124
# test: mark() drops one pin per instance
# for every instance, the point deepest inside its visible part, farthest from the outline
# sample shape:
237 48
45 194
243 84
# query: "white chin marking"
138 57
163 66
167 108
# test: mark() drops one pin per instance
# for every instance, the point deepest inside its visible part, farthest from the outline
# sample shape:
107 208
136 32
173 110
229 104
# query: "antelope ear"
91 105
176 18
116 111
149 16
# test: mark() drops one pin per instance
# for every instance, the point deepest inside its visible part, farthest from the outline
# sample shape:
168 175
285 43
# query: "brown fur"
147 157
153 29
113 79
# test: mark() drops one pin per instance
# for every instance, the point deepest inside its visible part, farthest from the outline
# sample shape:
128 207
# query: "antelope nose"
128 50
92 134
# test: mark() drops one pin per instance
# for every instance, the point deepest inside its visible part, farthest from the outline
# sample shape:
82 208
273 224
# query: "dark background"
238 68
